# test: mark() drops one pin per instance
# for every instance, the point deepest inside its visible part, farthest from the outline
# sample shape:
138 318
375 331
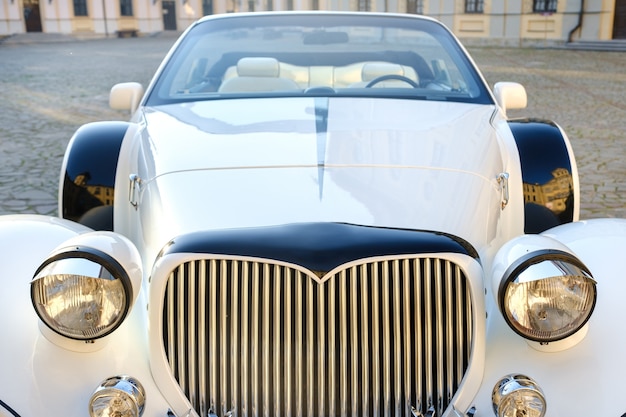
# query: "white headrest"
373 70
258 67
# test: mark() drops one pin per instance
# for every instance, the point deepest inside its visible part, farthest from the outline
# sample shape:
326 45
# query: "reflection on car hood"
394 163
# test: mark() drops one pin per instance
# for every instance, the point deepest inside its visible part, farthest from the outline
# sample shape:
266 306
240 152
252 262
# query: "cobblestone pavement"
49 86
585 93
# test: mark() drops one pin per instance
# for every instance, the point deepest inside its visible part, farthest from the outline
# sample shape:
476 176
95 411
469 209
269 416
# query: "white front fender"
587 378
38 377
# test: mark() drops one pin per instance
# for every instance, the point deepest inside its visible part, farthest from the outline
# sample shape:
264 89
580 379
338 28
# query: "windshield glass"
291 54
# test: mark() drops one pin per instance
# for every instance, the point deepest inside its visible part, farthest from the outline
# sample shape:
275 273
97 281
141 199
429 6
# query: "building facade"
501 21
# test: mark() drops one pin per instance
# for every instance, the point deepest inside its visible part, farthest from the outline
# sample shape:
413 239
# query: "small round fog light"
119 396
518 395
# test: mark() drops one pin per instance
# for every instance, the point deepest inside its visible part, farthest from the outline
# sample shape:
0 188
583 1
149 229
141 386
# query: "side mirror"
510 95
126 96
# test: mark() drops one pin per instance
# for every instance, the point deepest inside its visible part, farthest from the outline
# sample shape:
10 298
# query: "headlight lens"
547 296
81 293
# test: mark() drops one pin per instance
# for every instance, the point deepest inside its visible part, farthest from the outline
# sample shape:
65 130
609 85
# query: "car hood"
413 164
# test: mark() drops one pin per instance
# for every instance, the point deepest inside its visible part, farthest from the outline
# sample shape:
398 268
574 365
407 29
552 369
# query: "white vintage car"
314 214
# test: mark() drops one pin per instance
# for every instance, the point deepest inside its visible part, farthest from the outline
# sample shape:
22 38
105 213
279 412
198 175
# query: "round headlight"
81 293
547 295
518 395
120 396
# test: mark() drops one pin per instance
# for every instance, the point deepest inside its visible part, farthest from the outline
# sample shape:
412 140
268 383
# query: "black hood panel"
318 246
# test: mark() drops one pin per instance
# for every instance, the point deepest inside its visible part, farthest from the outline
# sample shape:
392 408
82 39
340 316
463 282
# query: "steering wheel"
391 77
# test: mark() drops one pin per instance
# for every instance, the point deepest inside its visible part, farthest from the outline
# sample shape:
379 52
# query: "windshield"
291 54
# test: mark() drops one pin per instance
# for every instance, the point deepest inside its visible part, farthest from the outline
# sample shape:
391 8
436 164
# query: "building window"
544 6
80 8
207 7
415 6
364 6
126 7
474 6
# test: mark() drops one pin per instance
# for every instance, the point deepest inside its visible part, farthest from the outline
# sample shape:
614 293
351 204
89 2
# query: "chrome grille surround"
356 341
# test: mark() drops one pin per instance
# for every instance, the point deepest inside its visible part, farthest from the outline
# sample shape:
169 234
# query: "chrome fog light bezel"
121 388
520 386
556 260
69 261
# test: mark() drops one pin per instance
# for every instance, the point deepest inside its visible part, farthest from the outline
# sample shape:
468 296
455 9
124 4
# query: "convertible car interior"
295 57
269 74
243 72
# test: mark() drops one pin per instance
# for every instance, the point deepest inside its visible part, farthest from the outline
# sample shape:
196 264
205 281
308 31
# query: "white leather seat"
373 70
258 74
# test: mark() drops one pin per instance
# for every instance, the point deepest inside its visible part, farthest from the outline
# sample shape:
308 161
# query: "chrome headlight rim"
99 257
534 258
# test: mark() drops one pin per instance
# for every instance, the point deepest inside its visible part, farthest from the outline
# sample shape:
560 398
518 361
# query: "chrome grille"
388 337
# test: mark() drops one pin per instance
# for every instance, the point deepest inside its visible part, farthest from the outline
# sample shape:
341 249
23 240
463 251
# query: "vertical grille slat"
224 313
428 338
255 363
439 325
397 340
419 337
213 359
181 341
266 335
406 330
192 369
332 355
202 339
275 381
460 312
449 330
385 337
235 350
376 380
321 352
288 341
353 325
299 372
309 350
245 344
343 345
365 339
